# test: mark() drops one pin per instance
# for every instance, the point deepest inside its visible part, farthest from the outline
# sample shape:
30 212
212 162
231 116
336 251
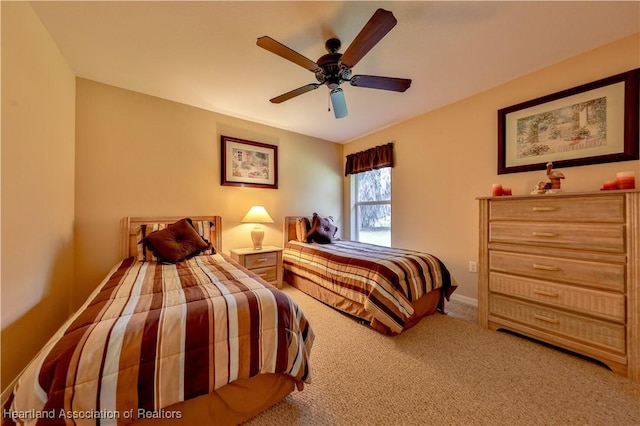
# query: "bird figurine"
554 176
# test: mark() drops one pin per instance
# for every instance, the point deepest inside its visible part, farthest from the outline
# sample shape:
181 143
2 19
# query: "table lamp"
257 215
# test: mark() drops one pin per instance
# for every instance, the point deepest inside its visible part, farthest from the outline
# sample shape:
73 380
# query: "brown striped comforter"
384 280
153 335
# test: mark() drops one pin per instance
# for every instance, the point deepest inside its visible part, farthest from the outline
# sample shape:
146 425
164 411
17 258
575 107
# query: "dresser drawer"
605 305
268 274
260 260
592 332
606 276
609 209
596 237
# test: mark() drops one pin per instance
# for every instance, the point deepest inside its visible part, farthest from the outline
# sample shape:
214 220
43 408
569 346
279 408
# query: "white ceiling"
204 53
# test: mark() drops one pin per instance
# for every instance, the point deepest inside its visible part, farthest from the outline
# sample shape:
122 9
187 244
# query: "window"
373 206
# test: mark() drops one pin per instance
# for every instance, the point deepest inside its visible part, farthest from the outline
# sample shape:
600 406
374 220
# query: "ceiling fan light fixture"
338 102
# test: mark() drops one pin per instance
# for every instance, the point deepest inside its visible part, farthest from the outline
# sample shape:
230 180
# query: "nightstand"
265 262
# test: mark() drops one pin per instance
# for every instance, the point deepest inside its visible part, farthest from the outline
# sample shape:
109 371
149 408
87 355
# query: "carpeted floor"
447 370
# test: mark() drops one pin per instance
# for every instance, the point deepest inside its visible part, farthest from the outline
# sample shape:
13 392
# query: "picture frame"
589 124
248 163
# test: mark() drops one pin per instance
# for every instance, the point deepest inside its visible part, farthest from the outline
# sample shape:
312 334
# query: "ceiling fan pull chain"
328 102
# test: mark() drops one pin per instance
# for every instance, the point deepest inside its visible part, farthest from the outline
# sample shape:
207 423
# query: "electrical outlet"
473 266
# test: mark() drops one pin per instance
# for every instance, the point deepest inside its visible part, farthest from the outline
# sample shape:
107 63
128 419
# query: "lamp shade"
257 214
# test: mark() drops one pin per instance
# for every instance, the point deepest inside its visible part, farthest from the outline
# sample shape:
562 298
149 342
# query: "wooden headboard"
289 228
130 228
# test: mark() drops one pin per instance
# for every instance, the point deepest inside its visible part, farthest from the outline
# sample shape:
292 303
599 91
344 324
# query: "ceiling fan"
334 68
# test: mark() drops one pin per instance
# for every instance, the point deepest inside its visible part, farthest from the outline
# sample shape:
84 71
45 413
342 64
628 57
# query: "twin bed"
202 340
390 288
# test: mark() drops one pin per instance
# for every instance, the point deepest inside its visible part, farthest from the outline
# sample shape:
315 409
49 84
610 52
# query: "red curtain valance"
373 158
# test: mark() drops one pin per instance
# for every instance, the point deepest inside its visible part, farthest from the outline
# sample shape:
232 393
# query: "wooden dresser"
564 269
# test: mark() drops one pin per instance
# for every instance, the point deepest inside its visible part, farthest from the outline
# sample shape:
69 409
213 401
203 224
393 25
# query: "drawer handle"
261 259
545 267
545 293
544 234
545 209
262 275
546 319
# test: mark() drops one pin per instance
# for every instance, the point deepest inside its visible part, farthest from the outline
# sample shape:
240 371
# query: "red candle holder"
625 180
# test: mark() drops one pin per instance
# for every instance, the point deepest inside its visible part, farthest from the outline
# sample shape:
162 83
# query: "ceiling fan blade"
283 51
295 92
384 83
338 103
378 26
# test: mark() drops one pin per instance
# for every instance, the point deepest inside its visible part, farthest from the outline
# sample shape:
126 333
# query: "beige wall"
38 102
138 155
447 158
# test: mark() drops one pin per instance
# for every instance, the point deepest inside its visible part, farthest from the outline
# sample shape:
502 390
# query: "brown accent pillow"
203 227
176 242
303 224
322 230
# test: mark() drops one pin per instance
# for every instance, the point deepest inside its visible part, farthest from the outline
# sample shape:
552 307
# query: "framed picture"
589 124
247 163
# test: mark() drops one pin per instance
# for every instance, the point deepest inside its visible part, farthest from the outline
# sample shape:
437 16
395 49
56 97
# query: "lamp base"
257 235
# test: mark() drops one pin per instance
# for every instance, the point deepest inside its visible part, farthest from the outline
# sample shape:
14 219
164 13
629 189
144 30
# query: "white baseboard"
464 299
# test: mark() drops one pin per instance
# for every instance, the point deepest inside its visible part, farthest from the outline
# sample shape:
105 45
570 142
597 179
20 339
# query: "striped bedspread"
384 280
153 335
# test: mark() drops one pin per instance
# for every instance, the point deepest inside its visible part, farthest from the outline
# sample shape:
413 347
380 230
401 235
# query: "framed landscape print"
248 163
588 124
